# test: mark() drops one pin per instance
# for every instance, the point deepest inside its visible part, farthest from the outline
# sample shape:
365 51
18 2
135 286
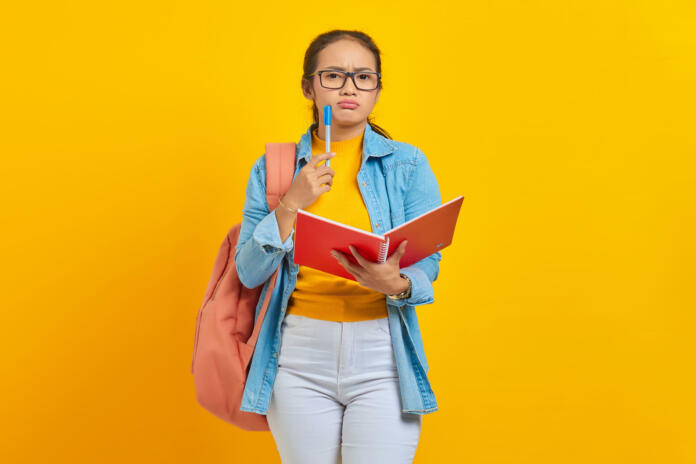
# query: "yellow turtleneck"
320 295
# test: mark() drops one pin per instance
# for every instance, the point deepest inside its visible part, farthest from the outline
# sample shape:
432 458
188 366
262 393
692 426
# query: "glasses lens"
366 81
335 79
332 79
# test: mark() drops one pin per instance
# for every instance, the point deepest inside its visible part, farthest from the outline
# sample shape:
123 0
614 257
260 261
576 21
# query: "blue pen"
327 125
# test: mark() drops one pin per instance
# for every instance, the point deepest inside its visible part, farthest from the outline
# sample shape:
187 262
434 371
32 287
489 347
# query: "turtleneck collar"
353 144
373 144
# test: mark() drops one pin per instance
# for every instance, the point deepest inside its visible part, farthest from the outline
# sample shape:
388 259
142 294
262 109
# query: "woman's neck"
339 133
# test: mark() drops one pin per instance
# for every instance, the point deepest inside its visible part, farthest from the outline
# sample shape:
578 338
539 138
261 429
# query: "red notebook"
316 236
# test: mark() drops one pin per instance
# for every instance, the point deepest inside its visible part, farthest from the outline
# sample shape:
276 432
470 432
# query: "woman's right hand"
308 183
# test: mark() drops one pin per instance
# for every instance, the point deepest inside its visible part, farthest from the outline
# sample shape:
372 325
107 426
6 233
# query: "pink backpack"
225 331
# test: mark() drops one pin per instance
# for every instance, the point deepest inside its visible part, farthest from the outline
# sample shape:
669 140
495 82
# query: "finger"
321 170
343 261
399 252
326 179
402 249
321 157
358 257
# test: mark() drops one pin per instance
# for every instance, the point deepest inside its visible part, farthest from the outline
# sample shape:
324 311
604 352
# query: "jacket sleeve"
422 195
259 249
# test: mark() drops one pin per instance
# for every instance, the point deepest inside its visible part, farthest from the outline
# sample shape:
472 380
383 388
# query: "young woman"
339 367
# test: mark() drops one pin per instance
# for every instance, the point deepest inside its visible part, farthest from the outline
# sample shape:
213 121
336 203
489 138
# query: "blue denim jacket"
397 184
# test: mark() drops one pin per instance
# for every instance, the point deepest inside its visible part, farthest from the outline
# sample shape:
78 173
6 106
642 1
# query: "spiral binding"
383 250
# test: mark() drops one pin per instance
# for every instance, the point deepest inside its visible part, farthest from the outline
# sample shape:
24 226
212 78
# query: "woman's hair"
319 43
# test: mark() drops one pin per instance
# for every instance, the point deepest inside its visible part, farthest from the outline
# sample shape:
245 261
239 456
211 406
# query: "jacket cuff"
421 288
267 235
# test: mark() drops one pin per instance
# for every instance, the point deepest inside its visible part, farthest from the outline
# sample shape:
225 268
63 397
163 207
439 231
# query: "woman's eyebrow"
356 69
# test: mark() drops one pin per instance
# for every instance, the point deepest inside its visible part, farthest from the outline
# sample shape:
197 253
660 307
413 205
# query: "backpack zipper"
219 282
195 341
200 314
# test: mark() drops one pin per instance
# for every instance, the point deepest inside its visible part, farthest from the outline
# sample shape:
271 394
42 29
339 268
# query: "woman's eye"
363 76
333 75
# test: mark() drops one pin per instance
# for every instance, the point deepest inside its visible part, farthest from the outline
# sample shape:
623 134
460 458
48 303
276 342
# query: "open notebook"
316 236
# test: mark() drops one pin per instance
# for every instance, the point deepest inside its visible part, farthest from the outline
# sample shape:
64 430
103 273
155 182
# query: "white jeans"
336 397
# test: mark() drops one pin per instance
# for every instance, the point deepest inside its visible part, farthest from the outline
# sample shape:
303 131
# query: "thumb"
399 252
402 248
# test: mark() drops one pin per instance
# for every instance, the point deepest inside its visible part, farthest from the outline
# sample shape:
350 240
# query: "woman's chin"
348 120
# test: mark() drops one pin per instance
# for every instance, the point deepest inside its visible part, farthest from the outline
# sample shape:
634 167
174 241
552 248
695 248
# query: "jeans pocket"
293 321
383 325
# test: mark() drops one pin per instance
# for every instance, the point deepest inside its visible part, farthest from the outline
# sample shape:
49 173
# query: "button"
364 184
275 355
377 225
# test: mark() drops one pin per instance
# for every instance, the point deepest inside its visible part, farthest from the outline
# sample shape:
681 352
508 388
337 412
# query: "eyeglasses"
333 79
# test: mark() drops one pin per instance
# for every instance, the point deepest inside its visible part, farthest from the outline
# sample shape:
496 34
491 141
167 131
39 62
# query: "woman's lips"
347 105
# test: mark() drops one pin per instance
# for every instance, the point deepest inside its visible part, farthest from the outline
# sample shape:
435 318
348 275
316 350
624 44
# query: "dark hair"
319 43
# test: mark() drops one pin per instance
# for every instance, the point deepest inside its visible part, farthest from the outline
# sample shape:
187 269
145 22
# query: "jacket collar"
374 144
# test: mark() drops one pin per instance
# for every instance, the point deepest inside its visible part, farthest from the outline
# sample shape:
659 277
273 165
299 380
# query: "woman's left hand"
383 278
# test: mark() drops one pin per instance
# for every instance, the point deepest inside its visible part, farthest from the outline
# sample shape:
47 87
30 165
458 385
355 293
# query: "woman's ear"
307 90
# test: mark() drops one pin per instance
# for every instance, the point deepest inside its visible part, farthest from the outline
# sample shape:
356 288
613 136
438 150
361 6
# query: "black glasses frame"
345 78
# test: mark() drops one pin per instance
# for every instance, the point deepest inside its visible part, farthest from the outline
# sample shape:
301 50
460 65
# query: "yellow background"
563 327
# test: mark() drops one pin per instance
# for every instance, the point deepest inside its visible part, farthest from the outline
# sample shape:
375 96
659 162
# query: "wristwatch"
405 294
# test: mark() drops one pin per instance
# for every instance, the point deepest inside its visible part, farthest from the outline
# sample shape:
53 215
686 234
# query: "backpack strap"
280 169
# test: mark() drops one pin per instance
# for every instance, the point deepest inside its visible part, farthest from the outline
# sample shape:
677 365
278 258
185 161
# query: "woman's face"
346 55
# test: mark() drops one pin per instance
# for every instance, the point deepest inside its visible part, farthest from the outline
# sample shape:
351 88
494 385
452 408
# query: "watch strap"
406 293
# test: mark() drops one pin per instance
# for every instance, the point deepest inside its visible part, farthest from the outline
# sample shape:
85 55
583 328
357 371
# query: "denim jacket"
396 184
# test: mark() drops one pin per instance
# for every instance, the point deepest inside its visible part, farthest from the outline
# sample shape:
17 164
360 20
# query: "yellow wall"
127 133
